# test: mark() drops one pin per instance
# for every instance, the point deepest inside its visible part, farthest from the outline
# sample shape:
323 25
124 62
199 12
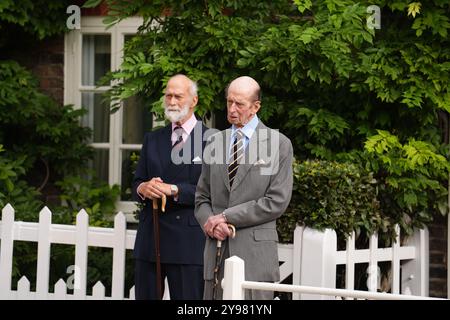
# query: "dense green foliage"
411 179
26 20
339 89
340 196
44 147
35 126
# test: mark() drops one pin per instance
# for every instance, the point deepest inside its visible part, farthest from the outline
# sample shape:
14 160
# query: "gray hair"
193 89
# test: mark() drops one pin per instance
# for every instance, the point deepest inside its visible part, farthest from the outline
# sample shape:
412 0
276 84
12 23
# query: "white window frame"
73 89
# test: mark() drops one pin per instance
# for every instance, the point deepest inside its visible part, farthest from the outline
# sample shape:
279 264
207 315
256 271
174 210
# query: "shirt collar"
188 126
248 129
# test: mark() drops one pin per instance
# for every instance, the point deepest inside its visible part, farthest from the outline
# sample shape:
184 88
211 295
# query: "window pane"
97 117
100 164
96 58
137 119
129 162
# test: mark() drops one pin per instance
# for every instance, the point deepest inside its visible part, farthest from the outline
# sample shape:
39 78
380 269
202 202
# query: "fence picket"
6 250
23 289
414 271
118 268
81 252
350 265
297 259
372 270
60 290
98 291
131 293
318 260
395 266
43 262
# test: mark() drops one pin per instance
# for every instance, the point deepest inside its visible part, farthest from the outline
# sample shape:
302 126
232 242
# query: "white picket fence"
82 236
234 285
312 258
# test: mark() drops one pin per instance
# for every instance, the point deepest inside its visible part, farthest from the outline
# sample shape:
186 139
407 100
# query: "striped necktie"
237 153
179 132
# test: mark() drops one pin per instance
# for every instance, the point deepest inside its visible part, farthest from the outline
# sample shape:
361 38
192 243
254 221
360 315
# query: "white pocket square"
196 159
259 162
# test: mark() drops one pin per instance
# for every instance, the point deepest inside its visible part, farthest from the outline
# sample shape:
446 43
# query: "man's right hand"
149 190
221 231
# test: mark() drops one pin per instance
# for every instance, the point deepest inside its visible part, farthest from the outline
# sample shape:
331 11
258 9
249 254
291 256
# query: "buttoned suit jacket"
181 238
260 193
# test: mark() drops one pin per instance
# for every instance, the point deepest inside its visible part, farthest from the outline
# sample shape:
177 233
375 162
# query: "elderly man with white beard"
157 175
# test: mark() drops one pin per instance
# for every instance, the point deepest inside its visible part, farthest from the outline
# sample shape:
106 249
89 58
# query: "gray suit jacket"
260 193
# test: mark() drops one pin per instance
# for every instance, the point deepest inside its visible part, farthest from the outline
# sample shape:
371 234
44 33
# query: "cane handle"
232 230
163 203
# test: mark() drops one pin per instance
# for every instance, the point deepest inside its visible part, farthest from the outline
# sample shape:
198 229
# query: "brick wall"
45 59
438 257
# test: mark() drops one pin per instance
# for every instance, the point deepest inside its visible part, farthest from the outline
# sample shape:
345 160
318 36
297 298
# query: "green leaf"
414 8
91 3
303 5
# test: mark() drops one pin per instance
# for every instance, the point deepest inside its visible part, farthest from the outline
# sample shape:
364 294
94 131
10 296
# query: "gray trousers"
249 293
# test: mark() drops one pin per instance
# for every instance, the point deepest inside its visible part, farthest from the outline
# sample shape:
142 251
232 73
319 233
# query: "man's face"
241 106
178 101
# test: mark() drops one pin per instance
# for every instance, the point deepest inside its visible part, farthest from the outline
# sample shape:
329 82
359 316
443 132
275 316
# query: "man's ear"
257 105
194 101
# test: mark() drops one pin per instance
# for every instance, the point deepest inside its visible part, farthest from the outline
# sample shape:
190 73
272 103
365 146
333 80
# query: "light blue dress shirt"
247 130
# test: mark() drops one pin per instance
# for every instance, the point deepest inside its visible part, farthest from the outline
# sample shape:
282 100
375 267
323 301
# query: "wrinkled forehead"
177 86
239 96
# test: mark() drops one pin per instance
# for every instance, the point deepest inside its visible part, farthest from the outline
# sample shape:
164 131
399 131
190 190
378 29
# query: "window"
90 53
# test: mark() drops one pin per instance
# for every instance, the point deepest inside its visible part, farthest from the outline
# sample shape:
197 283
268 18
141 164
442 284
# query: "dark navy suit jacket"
181 238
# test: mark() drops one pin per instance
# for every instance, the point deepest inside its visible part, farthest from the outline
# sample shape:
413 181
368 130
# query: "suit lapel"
256 143
175 169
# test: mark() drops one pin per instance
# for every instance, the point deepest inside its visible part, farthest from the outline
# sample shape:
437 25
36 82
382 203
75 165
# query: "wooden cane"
157 247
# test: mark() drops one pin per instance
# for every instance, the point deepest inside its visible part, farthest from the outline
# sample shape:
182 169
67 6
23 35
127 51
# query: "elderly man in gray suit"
246 181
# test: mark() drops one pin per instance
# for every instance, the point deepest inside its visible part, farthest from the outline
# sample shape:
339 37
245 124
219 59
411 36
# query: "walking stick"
157 249
218 260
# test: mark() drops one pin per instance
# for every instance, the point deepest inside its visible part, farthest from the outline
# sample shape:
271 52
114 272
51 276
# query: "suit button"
177 217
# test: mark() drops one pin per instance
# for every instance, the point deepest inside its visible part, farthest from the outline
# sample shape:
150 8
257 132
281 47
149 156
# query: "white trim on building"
73 89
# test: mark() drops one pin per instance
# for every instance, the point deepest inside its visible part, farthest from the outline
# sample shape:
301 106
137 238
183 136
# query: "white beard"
176 115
